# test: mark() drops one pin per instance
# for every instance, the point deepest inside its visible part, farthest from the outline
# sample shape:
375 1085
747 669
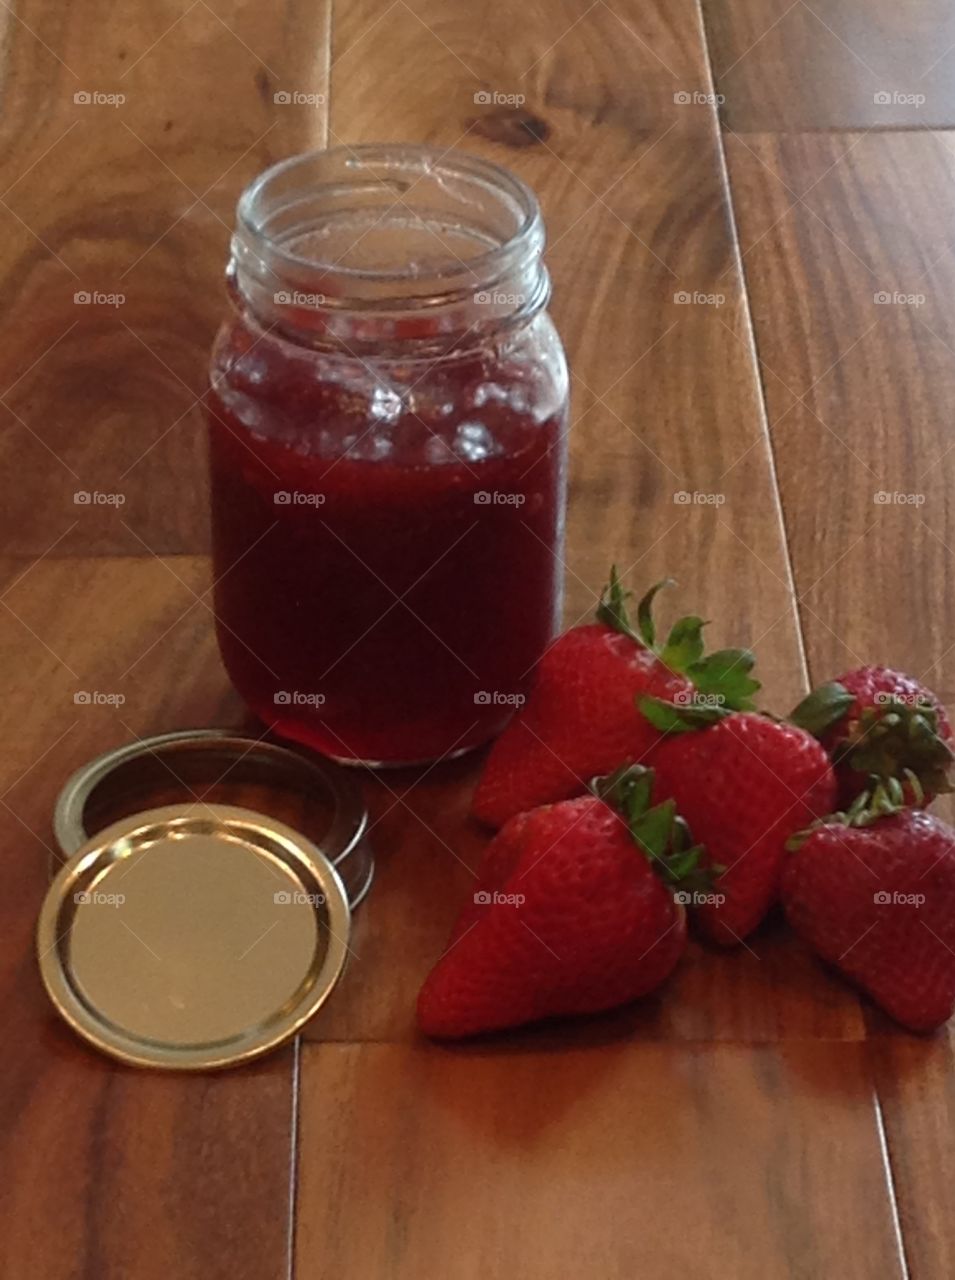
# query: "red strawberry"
570 915
875 896
744 783
876 722
581 718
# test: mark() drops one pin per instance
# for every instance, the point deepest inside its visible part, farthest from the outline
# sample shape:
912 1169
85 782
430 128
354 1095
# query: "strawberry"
571 914
581 719
873 893
744 783
882 724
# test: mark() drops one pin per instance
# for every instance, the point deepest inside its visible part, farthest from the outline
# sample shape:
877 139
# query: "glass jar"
387 418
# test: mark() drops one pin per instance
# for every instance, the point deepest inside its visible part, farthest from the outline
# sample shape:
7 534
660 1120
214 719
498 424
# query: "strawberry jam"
387 501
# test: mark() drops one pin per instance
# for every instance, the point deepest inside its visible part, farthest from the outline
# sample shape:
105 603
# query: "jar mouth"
388 227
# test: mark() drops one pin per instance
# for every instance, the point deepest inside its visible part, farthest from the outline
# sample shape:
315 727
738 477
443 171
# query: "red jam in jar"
387 417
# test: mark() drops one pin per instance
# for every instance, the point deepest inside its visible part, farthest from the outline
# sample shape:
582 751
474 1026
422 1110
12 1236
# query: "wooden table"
757 1120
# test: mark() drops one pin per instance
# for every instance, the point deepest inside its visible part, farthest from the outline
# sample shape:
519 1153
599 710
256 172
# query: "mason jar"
387 416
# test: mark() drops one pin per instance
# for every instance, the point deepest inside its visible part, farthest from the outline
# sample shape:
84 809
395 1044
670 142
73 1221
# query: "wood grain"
630 1159
135 201
858 373
915 1084
857 367
796 64
111 1172
571 67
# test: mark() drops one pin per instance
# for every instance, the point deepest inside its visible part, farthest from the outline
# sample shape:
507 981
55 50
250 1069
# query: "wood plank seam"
753 346
887 1159
890 1179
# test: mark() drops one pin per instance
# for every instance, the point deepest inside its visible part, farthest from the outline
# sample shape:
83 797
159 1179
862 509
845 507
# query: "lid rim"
349 823
97 1029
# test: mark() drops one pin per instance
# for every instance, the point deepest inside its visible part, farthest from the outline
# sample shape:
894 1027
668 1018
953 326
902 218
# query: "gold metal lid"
220 766
193 937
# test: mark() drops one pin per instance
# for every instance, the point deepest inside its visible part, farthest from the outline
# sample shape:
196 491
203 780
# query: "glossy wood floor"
750 212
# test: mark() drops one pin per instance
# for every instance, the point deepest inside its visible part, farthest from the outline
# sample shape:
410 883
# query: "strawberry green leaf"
668 717
627 788
892 740
652 829
684 645
681 866
612 610
822 708
658 831
725 674
682 839
645 623
723 677
887 796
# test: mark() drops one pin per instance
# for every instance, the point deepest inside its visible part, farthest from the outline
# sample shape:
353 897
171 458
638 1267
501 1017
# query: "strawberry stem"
722 678
657 830
613 612
891 740
897 740
886 797
645 620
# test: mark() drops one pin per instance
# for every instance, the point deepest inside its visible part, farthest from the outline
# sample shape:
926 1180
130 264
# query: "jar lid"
193 937
184 766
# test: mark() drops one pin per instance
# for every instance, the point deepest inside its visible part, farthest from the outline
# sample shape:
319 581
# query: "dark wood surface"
754 1118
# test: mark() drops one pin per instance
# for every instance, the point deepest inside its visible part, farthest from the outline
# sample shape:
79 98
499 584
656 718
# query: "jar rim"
255 208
